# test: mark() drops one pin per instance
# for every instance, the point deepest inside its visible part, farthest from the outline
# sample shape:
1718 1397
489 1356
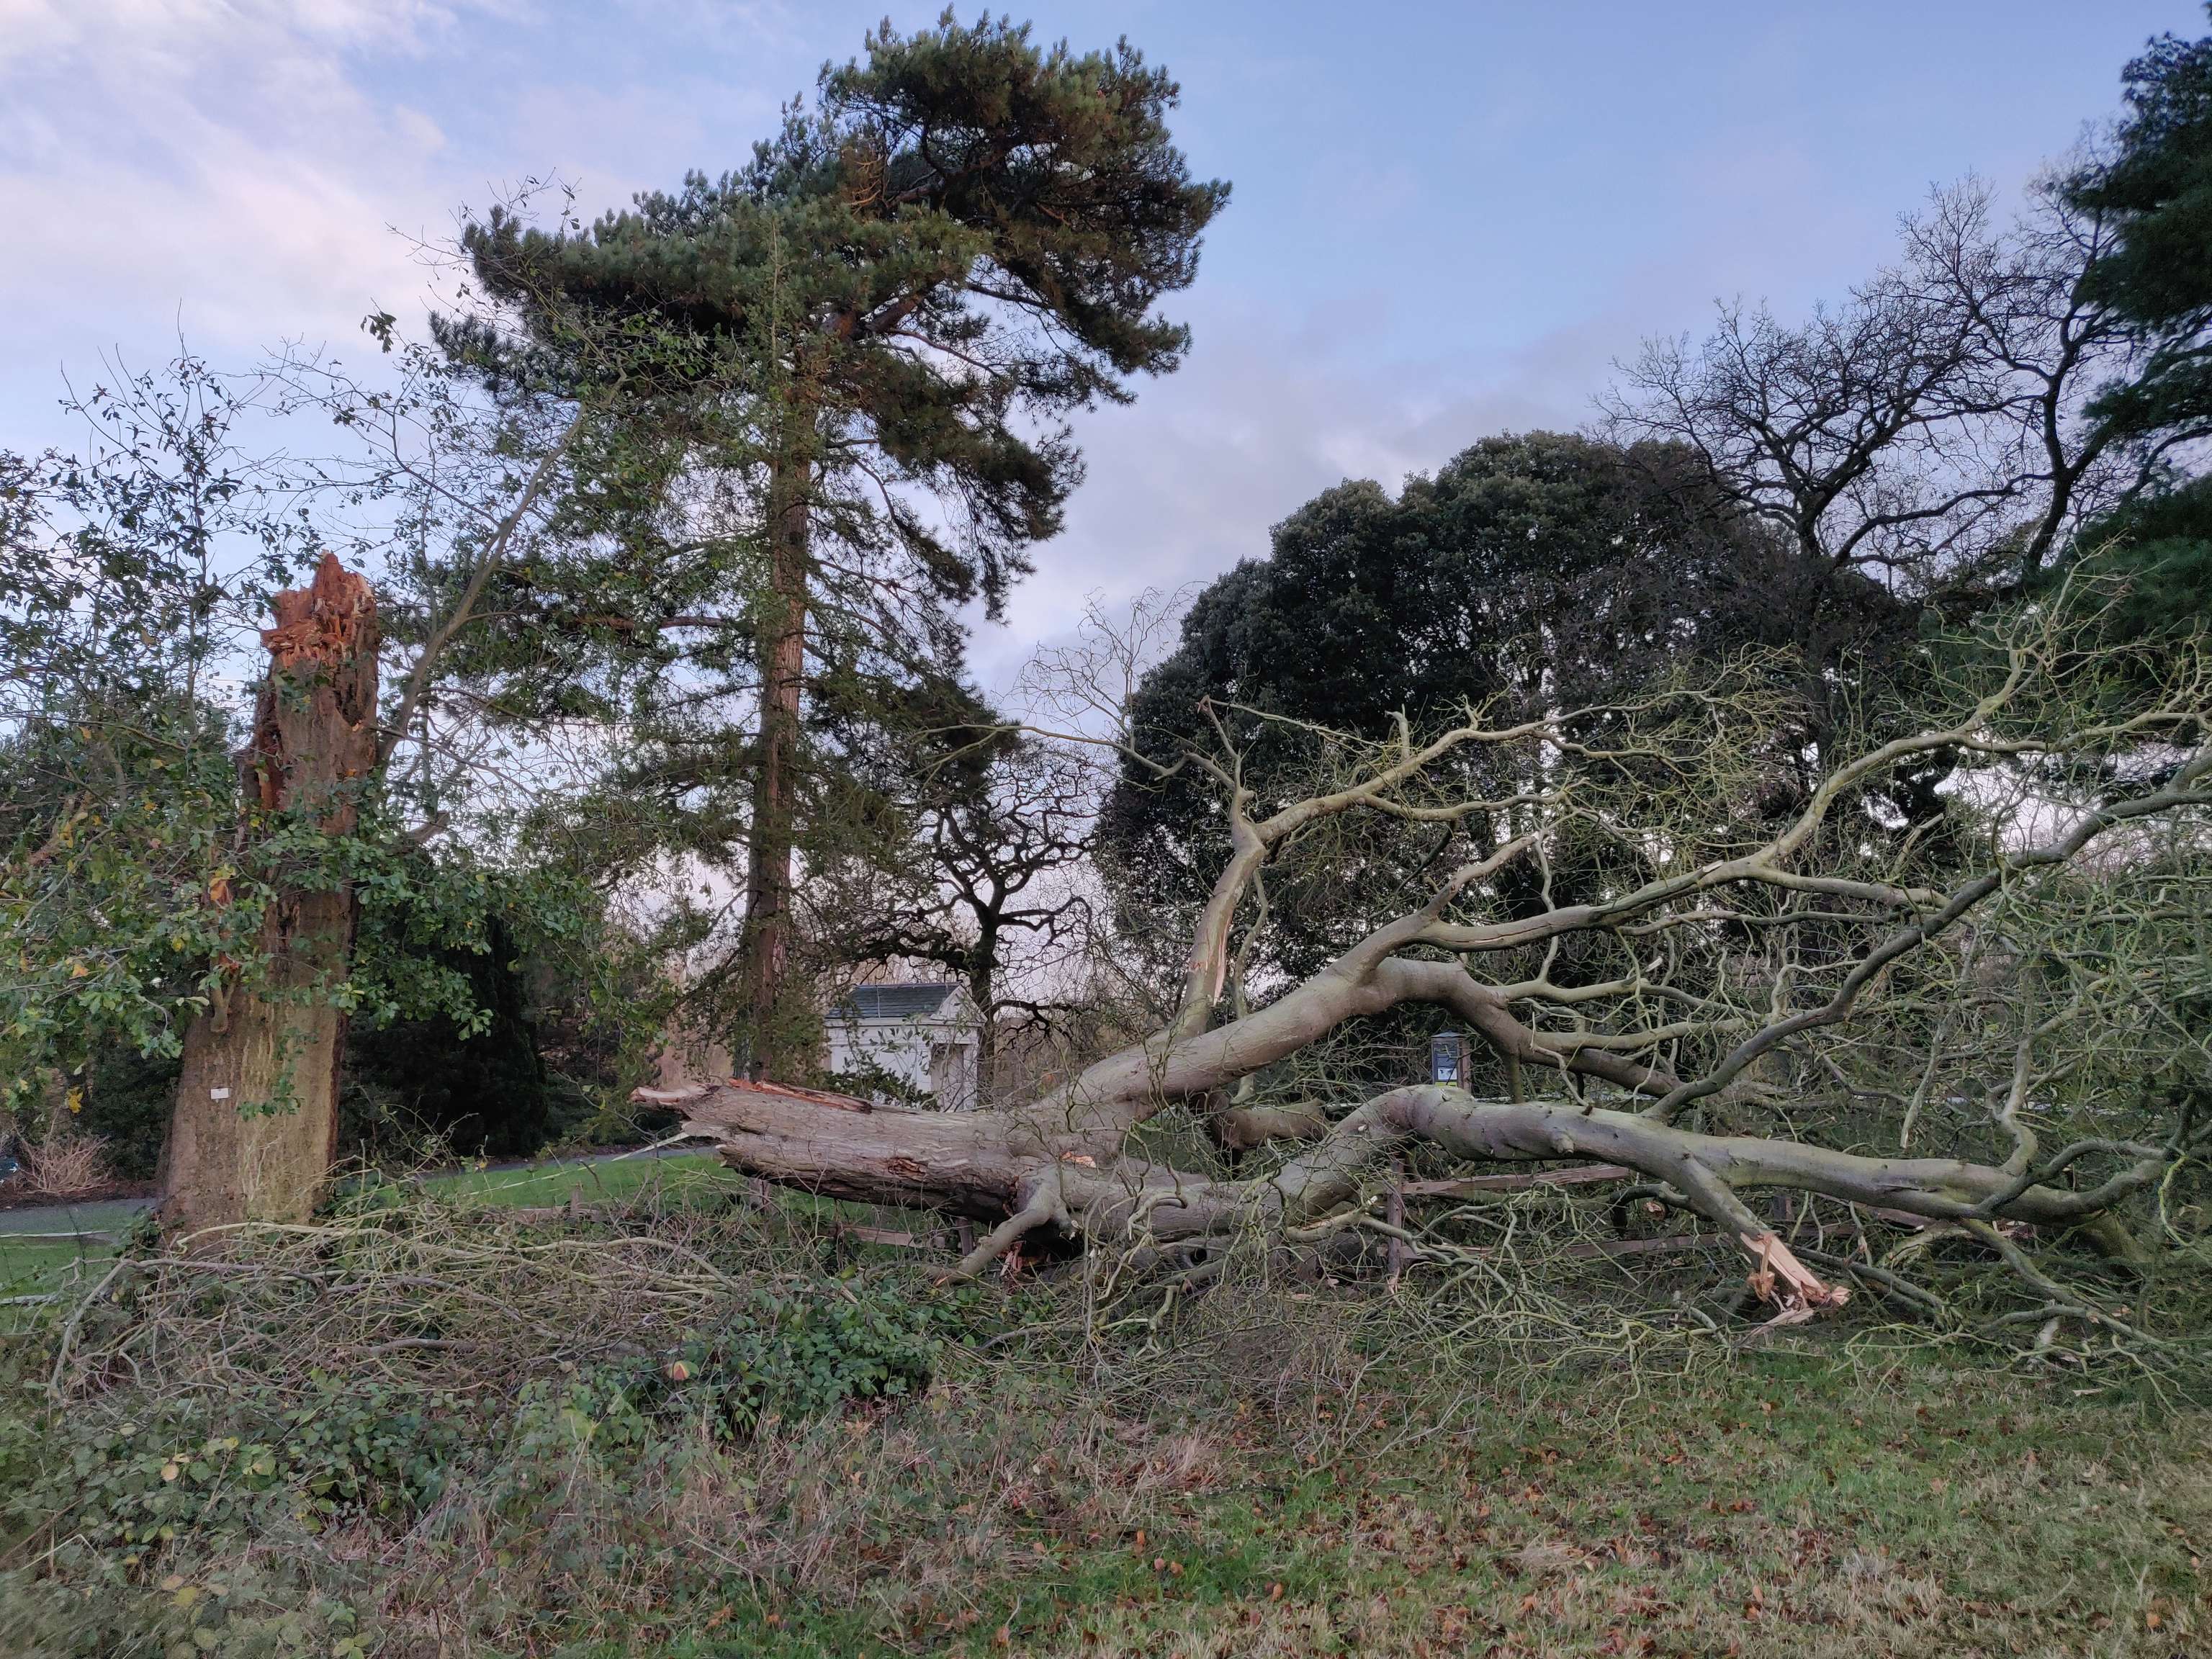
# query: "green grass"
39 1267
1788 1507
30 1266
1798 1508
1802 1506
1795 1507
597 1181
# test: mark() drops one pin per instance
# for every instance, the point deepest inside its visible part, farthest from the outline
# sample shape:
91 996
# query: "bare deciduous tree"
1935 429
996 885
986 889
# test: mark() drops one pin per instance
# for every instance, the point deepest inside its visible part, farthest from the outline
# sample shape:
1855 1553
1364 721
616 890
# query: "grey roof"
891 1001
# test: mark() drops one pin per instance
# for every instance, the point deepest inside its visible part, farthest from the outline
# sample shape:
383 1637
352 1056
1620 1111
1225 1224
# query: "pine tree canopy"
963 238
2157 186
825 401
2156 189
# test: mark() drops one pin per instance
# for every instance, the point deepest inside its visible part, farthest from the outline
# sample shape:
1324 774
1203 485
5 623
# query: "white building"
925 1035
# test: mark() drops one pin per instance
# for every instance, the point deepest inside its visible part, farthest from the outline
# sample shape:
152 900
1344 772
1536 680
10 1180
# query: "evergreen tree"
884 321
1530 575
2156 187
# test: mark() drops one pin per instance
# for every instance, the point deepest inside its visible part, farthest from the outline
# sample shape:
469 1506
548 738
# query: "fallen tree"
1730 976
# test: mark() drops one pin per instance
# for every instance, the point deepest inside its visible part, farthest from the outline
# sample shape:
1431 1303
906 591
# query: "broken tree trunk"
255 1127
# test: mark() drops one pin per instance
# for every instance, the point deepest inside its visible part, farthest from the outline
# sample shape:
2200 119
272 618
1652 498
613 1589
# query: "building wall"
936 1057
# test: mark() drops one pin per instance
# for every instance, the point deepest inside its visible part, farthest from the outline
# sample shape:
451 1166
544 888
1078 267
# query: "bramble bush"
127 1489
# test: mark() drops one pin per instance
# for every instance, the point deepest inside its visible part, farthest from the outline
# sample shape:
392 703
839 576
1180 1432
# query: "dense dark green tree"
1530 575
480 1084
2162 544
2155 188
884 320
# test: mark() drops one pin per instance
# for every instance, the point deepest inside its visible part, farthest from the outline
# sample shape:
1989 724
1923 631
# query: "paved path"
113 1215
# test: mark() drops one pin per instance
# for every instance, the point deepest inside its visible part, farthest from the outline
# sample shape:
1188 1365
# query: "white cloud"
219 165
233 166
1268 412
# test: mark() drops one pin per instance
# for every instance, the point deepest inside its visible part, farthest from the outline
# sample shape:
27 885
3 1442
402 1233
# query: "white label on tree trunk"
218 1094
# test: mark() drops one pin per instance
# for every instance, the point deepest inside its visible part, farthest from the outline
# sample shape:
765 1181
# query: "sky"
1448 221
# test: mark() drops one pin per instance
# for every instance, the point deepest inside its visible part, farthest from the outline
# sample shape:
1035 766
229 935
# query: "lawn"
32 1264
1805 1506
597 1181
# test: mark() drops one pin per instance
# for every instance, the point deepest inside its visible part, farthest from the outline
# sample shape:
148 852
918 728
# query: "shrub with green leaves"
782 1355
127 1488
799 1355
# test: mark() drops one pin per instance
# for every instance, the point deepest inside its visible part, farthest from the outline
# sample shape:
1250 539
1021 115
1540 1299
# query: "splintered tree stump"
255 1127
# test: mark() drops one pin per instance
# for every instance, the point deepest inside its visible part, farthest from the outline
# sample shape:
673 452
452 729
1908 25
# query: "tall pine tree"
886 319
2156 187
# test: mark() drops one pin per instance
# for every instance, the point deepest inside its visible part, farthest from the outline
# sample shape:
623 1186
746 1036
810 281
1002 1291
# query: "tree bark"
983 972
780 655
255 1127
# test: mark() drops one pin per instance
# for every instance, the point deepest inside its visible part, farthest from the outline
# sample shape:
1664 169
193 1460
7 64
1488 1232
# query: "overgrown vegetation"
750 1432
1790 805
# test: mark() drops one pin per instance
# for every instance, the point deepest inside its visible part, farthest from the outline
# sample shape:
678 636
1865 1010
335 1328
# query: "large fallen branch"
1669 1005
